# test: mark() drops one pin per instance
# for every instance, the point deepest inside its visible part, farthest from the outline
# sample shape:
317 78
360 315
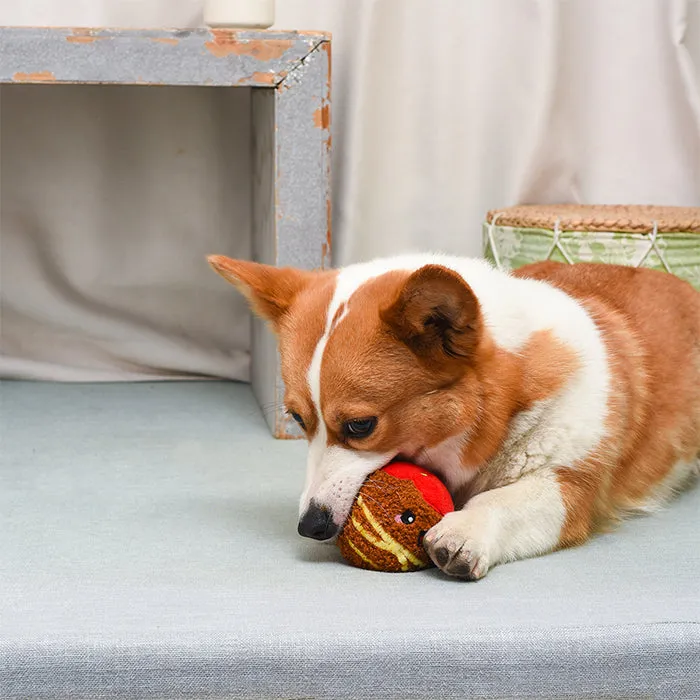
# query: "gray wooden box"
290 76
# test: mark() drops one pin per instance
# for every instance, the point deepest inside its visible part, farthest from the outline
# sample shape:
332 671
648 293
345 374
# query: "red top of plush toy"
432 489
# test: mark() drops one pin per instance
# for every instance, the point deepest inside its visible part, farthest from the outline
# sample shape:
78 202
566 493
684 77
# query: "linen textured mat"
149 550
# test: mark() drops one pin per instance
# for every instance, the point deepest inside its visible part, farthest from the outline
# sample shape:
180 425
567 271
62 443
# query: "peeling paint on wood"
157 56
322 117
43 76
81 39
84 35
264 78
326 247
326 123
326 35
226 42
171 41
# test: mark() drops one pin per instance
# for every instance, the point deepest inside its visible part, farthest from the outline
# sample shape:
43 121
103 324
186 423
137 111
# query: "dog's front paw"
457 546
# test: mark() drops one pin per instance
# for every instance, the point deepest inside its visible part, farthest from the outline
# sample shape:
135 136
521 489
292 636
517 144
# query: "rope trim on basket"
557 246
601 217
652 246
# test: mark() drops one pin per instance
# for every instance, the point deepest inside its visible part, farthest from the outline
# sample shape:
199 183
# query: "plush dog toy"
394 509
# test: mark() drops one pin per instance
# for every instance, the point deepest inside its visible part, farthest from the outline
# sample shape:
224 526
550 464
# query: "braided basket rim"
617 218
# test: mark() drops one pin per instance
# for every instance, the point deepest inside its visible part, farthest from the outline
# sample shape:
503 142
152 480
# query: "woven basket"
664 238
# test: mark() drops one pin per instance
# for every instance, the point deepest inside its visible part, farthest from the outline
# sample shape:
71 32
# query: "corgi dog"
551 401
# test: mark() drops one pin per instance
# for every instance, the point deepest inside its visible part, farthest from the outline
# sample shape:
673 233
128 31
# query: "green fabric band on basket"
678 253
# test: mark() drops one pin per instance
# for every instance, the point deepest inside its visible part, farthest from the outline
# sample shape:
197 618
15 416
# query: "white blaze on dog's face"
376 363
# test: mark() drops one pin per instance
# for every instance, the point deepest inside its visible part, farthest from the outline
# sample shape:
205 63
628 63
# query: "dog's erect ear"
270 290
436 315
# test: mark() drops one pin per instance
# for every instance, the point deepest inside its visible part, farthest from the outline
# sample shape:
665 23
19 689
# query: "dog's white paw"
458 547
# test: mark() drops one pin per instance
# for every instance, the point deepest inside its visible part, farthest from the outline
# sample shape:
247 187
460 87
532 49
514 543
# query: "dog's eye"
359 428
298 419
408 517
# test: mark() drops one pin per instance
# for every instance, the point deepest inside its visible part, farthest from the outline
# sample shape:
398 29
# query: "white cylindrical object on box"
248 14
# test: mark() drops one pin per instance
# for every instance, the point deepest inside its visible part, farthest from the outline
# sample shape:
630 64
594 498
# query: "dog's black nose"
317 523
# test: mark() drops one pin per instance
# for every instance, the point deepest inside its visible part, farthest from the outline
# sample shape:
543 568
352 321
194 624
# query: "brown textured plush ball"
394 509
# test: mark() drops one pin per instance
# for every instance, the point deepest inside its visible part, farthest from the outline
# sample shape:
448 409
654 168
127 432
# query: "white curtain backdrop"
442 109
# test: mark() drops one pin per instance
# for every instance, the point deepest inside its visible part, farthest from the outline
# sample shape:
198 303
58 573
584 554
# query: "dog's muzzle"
317 523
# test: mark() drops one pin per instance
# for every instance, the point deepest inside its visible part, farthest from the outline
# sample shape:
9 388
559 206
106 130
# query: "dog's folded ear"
436 314
270 290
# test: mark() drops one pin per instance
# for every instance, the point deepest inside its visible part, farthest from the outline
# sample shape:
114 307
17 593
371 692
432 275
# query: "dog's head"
376 363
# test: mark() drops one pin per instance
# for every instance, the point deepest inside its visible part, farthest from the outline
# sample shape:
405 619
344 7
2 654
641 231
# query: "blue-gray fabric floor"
148 549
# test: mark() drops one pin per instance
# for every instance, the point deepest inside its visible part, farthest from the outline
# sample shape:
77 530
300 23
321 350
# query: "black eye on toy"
408 517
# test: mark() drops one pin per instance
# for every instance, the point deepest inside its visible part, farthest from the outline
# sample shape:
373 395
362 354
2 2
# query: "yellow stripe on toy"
388 543
379 544
364 557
